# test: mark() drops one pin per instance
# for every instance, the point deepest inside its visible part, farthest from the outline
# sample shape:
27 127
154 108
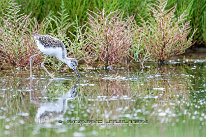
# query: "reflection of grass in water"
135 98
13 96
178 130
197 90
15 104
166 86
165 79
102 100
56 90
141 98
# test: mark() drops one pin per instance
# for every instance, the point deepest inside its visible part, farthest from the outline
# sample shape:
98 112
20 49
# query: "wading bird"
52 46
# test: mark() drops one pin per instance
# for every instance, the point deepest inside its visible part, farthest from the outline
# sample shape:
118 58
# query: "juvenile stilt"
52 46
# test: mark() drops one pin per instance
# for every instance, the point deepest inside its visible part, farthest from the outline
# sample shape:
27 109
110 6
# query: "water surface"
166 100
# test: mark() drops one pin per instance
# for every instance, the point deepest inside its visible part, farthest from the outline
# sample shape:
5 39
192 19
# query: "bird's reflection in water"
52 111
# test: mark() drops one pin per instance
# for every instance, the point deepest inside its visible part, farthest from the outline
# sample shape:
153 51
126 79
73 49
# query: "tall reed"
196 10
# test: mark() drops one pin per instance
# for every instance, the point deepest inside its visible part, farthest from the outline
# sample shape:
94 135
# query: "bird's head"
72 63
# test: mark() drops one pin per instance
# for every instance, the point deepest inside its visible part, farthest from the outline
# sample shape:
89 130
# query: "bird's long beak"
76 73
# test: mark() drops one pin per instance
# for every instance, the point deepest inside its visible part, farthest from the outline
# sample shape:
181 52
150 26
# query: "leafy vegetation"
75 8
196 13
138 48
107 35
164 35
15 42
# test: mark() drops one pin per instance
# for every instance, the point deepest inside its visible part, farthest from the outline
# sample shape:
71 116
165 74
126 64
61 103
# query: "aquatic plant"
195 10
109 37
77 40
138 49
16 44
164 35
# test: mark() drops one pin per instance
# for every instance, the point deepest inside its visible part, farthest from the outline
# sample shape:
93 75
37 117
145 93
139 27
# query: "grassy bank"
196 10
111 32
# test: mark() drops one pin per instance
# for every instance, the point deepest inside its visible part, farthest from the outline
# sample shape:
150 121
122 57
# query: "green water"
168 101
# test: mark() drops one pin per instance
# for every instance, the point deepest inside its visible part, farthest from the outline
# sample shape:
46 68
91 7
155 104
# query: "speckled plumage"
52 46
49 41
46 43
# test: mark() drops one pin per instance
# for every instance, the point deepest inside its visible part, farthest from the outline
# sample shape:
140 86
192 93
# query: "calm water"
167 100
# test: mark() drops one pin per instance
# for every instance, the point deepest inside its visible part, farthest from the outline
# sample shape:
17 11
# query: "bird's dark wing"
49 41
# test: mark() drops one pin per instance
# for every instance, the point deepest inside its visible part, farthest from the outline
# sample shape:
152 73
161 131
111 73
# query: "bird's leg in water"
42 65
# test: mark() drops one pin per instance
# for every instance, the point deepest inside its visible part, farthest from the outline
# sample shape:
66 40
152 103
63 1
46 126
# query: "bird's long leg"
31 63
42 65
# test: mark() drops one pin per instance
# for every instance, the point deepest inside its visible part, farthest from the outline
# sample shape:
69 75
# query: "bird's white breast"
55 51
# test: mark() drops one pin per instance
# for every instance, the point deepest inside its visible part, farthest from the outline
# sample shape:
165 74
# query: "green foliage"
196 11
4 4
79 7
77 40
159 32
39 8
138 48
57 26
164 35
15 41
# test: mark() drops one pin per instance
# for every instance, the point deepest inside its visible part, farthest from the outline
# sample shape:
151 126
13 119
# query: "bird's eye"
73 64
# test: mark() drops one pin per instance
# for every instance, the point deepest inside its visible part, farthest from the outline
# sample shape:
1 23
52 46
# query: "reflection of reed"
164 80
14 91
171 80
156 93
110 98
114 88
168 87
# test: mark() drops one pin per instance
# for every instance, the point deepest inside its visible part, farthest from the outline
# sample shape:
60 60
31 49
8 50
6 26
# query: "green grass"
69 20
196 10
15 100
